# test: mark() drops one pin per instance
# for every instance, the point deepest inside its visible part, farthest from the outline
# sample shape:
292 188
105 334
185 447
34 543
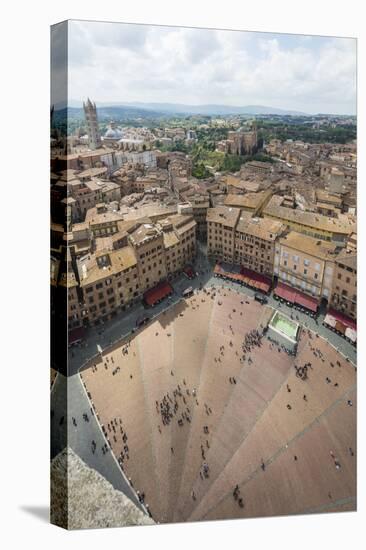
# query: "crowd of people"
302 372
252 339
116 431
174 405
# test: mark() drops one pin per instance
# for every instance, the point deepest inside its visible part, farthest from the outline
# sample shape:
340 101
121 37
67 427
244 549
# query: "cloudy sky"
114 62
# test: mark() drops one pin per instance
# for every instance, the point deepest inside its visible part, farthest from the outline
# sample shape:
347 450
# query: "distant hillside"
216 109
156 109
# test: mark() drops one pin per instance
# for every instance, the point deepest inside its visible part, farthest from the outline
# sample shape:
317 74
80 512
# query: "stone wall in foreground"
92 501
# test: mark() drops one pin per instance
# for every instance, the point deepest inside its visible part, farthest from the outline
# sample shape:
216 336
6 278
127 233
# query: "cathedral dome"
113 132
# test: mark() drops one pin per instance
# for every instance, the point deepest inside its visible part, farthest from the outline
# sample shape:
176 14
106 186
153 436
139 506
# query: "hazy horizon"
116 103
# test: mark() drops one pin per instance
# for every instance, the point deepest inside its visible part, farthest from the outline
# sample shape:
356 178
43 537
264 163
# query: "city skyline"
311 74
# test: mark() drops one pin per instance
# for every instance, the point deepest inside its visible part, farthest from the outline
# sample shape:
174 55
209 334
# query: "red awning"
160 291
234 277
256 280
225 272
309 302
285 292
296 297
76 335
350 323
247 276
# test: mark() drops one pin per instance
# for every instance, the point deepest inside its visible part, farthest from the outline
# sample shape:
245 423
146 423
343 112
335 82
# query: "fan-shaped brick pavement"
205 429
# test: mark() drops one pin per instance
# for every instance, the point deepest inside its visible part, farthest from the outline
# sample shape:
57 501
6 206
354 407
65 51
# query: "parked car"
142 321
187 292
189 273
260 298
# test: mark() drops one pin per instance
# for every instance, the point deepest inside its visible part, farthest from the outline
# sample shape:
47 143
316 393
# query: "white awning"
330 320
351 334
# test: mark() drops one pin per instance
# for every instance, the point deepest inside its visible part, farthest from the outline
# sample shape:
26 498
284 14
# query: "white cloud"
119 62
